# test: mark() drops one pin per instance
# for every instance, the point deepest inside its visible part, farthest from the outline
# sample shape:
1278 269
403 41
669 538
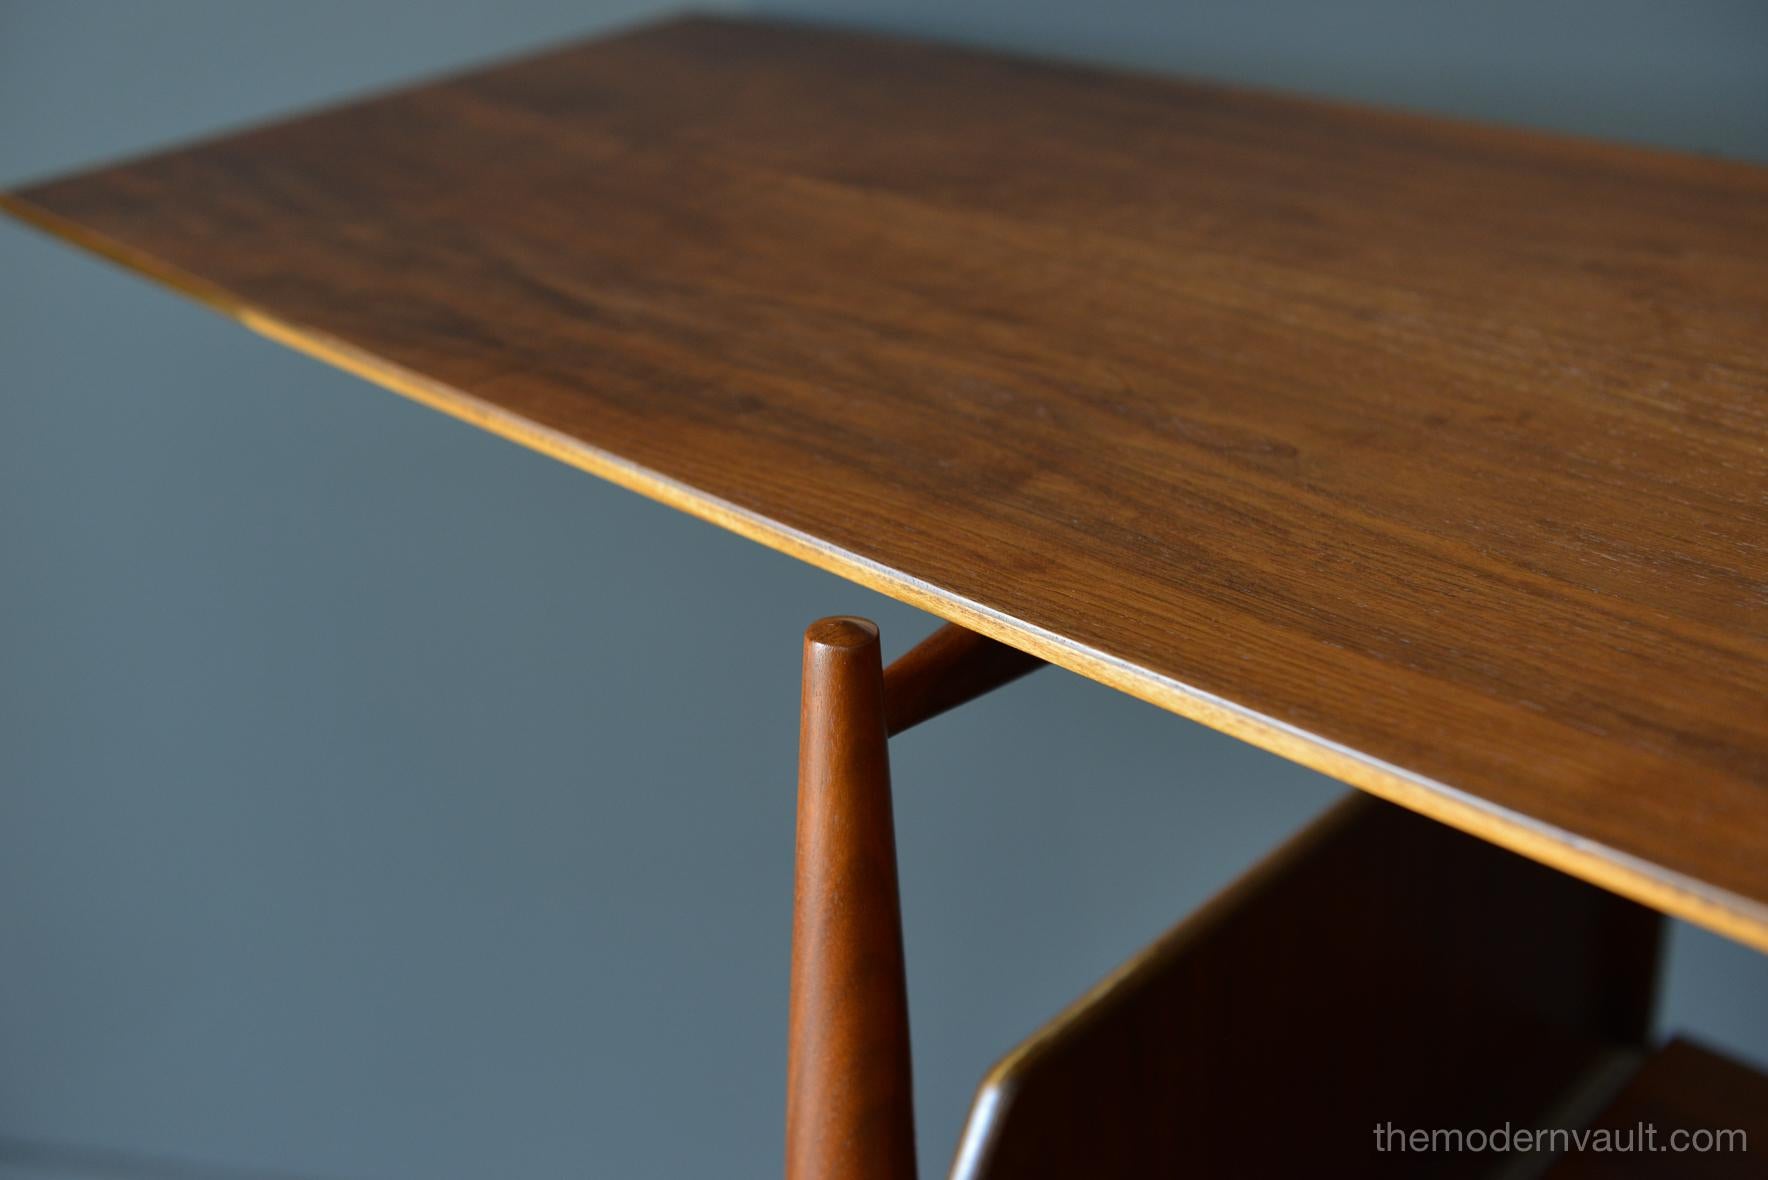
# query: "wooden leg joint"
849 1103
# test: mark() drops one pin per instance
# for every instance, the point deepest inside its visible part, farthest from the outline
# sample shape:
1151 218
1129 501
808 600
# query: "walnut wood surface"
849 1091
1378 969
1426 454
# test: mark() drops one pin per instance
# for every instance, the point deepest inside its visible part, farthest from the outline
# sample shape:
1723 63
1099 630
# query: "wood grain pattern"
1378 969
849 1087
1426 454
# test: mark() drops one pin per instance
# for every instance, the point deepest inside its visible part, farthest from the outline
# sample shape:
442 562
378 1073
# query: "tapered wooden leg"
849 1106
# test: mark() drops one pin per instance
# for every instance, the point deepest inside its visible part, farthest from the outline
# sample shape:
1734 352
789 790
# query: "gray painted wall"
380 800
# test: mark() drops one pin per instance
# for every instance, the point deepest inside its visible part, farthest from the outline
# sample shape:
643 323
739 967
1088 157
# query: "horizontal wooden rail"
949 667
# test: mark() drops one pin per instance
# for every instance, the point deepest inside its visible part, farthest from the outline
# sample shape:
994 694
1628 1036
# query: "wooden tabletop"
1426 454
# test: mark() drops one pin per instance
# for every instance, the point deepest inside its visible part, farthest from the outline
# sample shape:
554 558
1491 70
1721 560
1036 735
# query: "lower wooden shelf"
1696 1103
1377 998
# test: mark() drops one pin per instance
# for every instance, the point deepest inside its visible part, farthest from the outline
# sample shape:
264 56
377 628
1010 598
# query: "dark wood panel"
1379 970
1429 455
